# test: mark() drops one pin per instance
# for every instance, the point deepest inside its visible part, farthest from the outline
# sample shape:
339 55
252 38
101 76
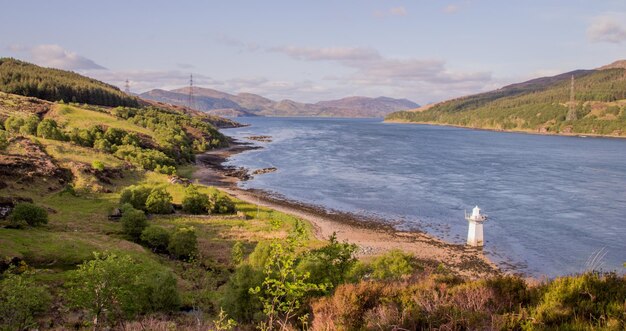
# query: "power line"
190 103
127 87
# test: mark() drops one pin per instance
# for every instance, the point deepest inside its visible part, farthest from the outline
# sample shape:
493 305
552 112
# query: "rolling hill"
248 104
27 79
540 105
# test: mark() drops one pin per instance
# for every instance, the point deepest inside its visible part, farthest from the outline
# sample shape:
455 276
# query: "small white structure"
475 232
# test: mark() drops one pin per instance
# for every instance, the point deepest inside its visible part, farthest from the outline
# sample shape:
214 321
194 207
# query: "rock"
264 171
265 139
173 179
115 215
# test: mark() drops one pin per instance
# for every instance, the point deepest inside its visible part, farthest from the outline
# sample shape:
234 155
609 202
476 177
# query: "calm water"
552 201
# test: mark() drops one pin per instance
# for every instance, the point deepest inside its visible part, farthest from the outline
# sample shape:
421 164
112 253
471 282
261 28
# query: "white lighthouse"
475 232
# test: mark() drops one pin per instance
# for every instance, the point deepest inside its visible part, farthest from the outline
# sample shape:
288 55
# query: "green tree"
134 221
28 213
236 255
222 204
159 202
330 264
13 123
20 301
284 288
156 237
4 140
135 195
30 125
48 129
183 243
195 202
113 288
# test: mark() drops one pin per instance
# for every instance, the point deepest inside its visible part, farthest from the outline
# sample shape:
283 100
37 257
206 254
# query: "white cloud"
607 28
451 8
393 11
328 53
55 56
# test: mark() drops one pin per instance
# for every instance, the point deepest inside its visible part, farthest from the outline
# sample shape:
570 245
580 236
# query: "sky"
422 50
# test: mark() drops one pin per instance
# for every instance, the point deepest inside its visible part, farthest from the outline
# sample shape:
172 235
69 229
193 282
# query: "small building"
475 231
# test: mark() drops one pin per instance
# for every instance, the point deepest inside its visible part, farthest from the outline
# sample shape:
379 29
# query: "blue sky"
425 51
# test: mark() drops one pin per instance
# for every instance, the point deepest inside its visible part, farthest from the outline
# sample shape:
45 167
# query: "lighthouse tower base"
475 234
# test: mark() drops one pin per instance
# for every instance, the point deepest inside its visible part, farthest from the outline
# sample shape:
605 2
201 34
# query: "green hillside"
540 105
27 79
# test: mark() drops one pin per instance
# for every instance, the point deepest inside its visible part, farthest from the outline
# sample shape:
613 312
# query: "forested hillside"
540 105
27 79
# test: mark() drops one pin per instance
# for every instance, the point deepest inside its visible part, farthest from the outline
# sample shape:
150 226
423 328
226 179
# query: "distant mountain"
247 104
539 105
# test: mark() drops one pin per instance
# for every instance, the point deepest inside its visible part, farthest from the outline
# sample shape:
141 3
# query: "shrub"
97 165
28 213
159 202
222 204
393 265
165 169
114 287
331 263
147 159
156 237
134 222
194 201
236 254
114 136
183 243
30 125
14 123
4 140
20 301
48 129
136 196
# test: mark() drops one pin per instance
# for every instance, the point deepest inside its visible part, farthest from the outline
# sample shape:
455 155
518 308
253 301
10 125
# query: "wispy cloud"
607 28
393 11
451 8
234 42
329 53
373 70
55 56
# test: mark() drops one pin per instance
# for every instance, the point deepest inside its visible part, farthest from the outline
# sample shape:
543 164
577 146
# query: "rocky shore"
373 236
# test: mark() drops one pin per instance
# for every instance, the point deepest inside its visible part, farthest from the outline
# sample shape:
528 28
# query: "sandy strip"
372 239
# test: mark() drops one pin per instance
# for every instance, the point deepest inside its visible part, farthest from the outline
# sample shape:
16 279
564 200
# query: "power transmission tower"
571 114
190 105
127 87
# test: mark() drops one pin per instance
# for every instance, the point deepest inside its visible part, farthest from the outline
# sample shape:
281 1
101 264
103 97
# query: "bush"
27 213
114 287
156 237
393 265
159 202
20 301
195 202
102 145
4 140
134 222
136 196
30 125
146 159
183 243
48 129
13 124
222 204
97 165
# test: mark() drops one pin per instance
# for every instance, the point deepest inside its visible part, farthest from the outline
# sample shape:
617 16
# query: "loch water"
553 202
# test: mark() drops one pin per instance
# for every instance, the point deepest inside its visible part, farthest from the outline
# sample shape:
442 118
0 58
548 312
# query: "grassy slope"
539 105
79 225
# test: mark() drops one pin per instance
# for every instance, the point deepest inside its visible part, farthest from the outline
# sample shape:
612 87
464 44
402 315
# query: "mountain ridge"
248 104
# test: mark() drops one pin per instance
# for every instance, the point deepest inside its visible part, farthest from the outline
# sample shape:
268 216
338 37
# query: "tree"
112 288
222 204
30 125
20 300
156 237
283 288
135 195
134 222
194 201
13 123
183 243
331 263
159 202
4 140
28 213
237 253
48 129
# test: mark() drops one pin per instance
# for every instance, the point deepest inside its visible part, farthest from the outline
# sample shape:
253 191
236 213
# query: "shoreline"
574 135
373 236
